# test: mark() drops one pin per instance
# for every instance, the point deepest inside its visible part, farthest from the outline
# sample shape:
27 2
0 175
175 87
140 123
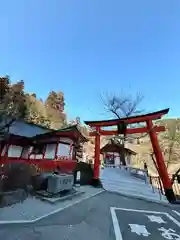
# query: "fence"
157 183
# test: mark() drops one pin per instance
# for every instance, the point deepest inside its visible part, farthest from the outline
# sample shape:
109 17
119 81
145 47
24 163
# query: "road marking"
144 211
116 226
176 212
117 229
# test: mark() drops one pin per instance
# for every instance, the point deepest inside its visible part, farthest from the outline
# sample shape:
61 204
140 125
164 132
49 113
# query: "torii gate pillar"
162 170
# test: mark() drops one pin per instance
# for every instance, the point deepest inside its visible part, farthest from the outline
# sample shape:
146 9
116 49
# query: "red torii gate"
122 128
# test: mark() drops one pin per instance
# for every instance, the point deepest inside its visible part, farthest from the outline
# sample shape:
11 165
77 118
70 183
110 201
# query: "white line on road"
116 226
176 212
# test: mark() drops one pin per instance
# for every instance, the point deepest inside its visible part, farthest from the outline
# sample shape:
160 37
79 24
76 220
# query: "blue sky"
89 47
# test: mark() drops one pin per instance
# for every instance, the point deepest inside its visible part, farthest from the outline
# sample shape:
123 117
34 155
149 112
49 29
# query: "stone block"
58 183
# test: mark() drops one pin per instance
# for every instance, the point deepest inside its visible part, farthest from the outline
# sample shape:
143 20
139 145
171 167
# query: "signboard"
62 158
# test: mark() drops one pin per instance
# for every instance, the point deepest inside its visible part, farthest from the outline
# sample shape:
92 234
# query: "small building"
113 153
34 144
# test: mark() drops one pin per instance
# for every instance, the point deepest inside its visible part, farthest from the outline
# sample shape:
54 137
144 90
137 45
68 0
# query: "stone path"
33 209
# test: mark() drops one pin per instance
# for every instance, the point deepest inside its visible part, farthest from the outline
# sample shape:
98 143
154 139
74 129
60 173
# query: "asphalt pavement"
107 216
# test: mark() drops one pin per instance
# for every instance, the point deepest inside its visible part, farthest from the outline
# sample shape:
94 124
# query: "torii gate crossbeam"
152 130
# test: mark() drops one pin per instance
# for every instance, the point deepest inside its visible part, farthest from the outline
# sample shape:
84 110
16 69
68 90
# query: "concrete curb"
16 222
52 201
142 198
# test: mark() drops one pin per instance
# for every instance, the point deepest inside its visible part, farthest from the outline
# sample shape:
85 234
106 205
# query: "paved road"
103 217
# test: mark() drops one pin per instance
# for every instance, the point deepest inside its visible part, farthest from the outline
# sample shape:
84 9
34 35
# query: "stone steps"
120 181
128 185
148 191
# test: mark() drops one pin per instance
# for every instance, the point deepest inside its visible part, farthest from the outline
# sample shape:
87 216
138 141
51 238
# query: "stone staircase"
130 182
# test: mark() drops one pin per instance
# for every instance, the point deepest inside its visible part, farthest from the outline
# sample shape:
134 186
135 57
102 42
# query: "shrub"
16 176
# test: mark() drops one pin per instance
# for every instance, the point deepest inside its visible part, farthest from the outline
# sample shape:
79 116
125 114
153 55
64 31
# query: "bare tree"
123 107
171 144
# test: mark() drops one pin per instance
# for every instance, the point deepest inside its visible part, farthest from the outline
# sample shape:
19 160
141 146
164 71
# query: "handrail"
156 183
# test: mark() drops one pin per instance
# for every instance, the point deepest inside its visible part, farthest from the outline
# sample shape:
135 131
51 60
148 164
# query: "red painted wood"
130 120
1 149
44 152
163 173
47 136
6 151
56 150
65 165
97 154
128 131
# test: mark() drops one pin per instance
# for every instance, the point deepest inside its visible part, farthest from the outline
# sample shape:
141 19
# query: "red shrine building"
113 153
46 148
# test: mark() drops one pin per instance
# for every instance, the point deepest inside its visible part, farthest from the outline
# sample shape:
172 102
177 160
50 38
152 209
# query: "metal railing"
156 183
176 188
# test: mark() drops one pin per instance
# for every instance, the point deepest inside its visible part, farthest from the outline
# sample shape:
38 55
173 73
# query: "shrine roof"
13 138
118 146
70 131
129 120
23 128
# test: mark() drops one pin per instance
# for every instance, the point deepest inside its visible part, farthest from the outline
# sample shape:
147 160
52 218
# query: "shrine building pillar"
163 173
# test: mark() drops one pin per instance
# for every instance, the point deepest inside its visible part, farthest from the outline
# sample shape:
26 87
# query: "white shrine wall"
63 150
